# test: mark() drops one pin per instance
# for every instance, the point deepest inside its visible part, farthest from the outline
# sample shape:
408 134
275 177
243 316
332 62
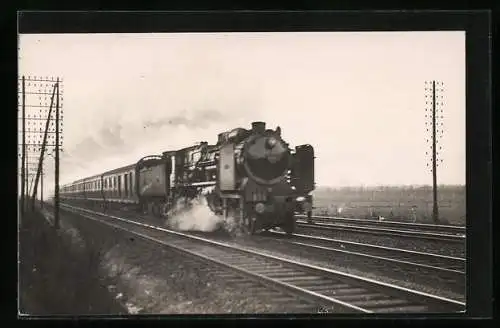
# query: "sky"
358 98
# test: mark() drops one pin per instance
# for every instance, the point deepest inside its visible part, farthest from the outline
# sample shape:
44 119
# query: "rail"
376 230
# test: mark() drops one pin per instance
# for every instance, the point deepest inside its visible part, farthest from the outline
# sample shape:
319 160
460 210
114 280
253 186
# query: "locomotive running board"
230 195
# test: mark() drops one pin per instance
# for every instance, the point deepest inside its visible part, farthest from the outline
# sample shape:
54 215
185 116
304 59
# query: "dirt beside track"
57 276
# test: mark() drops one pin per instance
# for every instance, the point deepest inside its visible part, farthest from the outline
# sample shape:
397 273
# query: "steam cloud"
196 215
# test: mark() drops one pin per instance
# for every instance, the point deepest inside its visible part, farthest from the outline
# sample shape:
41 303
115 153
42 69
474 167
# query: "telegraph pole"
41 189
37 140
23 148
31 187
44 143
432 100
56 192
435 211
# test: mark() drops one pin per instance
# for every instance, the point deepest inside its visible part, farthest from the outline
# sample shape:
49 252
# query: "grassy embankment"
57 277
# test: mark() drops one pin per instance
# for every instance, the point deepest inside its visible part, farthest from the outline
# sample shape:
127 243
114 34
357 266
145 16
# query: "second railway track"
422 227
360 226
320 286
425 260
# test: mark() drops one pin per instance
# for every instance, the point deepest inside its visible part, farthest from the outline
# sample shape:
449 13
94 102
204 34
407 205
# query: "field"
405 203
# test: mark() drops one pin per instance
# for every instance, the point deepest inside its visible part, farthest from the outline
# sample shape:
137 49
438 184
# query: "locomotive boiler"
250 175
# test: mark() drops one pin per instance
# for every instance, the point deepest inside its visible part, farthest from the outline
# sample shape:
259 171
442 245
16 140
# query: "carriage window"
196 156
125 183
131 183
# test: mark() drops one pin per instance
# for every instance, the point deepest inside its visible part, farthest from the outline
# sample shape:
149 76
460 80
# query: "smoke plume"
196 215
198 119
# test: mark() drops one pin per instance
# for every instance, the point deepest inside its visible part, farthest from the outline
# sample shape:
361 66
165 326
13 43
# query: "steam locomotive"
249 175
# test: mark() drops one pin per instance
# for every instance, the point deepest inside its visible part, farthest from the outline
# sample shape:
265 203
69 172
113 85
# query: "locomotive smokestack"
259 127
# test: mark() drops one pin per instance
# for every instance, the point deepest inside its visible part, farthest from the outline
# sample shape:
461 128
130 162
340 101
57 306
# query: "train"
251 175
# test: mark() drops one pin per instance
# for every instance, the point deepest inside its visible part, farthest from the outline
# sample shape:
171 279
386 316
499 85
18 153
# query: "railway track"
432 261
440 228
320 287
446 271
400 229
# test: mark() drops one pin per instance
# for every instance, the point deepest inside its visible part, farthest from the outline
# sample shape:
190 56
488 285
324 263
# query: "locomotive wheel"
253 226
250 226
309 217
289 225
164 210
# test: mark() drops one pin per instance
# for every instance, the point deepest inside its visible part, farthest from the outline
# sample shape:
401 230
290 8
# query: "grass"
392 203
55 278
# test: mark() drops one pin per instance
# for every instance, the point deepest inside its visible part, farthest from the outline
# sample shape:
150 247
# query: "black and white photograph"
242 173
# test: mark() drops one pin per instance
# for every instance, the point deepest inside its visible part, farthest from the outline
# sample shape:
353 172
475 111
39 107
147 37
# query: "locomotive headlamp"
300 199
271 142
260 208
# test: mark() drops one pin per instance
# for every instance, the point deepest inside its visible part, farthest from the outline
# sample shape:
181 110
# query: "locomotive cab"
302 178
